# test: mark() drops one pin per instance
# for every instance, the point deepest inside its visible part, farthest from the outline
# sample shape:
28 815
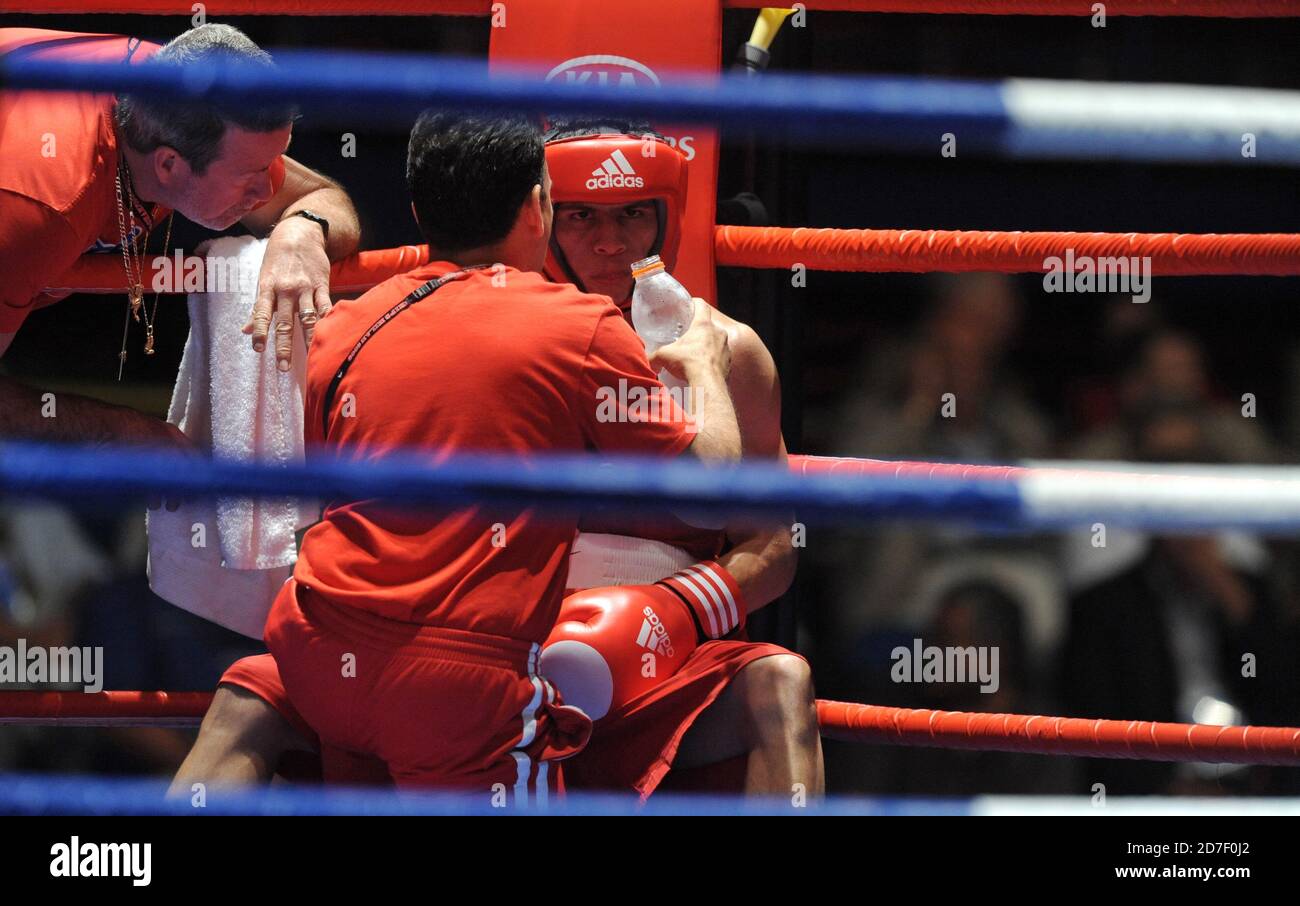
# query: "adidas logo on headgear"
615 173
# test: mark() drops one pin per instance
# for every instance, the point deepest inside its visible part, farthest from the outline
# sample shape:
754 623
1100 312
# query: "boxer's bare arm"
762 557
768 711
762 560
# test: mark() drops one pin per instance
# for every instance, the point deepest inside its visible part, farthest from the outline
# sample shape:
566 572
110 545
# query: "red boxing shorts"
314 763
441 707
259 675
633 748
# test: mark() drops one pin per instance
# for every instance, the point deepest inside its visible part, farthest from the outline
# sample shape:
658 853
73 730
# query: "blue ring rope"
37 794
569 483
909 114
81 474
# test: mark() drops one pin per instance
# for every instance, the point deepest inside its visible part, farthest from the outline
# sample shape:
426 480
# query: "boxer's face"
601 241
235 183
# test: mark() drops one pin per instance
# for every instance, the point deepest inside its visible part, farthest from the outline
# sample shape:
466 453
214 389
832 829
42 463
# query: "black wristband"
701 635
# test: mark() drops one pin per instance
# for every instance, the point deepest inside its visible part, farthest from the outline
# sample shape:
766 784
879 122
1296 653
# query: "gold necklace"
133 261
149 318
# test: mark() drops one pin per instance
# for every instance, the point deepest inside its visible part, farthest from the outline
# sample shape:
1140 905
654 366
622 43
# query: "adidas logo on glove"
615 173
653 635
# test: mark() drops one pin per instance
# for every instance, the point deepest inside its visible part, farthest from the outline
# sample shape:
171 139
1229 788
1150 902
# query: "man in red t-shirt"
86 172
412 635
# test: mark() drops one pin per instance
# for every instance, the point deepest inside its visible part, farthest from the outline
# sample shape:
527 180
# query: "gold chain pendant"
133 261
151 319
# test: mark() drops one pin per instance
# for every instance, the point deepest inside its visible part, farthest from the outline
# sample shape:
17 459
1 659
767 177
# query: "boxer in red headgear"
613 177
650 640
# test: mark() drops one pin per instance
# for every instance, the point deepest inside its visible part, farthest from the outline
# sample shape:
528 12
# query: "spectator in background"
974 613
1167 367
37 595
148 644
901 409
897 410
1165 639
1165 388
80 580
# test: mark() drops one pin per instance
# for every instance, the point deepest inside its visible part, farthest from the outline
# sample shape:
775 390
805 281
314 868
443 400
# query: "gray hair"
195 129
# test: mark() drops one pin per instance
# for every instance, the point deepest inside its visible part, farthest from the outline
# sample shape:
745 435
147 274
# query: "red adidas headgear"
615 168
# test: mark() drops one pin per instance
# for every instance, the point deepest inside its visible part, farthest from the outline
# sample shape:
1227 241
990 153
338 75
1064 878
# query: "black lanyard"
427 289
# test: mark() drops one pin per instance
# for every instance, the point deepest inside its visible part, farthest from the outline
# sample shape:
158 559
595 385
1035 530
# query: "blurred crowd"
1099 622
77 577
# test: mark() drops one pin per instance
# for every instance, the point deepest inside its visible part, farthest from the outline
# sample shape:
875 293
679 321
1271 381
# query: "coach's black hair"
468 174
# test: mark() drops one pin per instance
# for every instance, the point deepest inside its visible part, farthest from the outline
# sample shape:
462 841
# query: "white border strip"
985 806
1150 498
1152 109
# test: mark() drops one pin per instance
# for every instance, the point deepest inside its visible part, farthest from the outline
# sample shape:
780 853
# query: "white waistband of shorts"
598 560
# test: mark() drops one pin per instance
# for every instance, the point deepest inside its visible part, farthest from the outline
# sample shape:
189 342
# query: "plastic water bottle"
662 309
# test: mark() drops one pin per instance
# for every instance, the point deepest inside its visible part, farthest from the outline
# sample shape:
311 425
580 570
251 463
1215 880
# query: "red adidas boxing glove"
610 645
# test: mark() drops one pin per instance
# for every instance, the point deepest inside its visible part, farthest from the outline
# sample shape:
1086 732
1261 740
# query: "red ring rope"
919 251
839 720
909 251
104 709
1139 739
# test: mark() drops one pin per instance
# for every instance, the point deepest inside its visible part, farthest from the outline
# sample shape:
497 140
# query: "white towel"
225 559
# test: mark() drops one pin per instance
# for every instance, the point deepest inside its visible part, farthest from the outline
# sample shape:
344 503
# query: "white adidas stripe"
614 165
542 790
707 580
723 589
542 690
622 162
530 710
693 586
523 767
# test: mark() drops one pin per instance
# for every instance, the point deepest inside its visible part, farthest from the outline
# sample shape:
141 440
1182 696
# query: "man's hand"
295 280
1201 560
927 379
702 357
704 346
